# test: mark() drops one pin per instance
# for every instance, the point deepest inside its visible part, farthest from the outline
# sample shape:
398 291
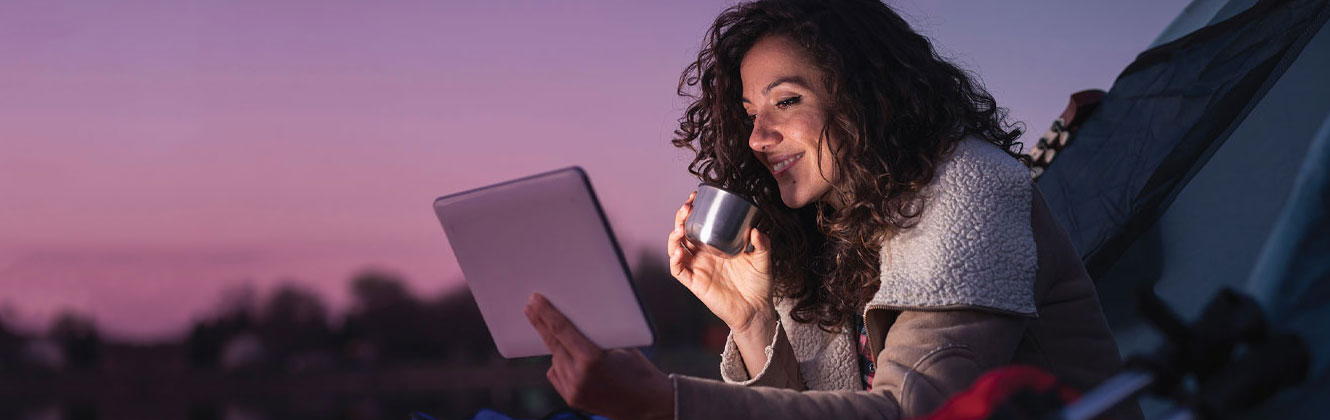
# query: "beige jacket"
985 279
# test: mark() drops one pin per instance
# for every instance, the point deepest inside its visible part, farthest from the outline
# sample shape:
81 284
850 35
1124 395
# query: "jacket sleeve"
927 356
780 371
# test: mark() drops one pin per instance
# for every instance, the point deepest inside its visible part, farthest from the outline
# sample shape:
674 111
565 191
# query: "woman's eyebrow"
794 80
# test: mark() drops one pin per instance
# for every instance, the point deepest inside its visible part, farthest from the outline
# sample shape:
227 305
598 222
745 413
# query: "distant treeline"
432 352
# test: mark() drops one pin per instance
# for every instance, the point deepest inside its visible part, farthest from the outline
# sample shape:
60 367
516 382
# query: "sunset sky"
156 153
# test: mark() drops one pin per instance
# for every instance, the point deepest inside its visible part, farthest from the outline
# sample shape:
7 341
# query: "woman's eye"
749 119
785 103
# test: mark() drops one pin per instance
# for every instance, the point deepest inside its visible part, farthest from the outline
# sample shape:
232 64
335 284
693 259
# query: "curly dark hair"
897 108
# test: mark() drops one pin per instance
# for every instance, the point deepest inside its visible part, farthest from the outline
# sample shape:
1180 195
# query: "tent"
1205 166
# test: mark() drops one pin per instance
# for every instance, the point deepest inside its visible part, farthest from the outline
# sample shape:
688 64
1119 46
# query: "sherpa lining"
973 245
821 356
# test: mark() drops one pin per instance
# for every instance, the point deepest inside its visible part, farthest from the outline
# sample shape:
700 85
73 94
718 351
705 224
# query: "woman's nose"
763 135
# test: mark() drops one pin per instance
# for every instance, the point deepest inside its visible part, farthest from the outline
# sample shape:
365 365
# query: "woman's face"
787 108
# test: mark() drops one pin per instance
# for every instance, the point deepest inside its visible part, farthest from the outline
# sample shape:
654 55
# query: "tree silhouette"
293 321
386 316
78 337
457 316
207 338
10 343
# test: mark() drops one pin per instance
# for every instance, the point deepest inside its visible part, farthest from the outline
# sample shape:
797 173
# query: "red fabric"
994 388
865 357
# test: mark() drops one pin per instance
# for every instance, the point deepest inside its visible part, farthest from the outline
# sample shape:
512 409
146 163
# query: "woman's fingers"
676 249
682 214
578 346
676 234
556 379
547 333
560 360
684 264
688 246
679 248
678 269
675 240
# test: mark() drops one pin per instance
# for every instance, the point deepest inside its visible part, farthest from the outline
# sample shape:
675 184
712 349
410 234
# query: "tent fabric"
1165 114
1292 280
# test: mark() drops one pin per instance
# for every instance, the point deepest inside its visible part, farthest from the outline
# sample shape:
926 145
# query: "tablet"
543 233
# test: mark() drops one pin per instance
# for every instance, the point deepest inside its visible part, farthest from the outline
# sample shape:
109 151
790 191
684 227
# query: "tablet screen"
543 233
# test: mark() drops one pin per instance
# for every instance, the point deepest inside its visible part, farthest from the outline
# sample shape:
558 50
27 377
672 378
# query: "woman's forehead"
775 60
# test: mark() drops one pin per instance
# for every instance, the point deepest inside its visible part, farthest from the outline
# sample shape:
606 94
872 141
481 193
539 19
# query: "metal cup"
721 219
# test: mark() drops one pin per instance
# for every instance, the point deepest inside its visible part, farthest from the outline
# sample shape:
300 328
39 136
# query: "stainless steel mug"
721 219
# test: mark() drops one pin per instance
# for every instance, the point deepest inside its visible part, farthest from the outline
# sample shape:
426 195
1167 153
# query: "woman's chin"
797 198
793 200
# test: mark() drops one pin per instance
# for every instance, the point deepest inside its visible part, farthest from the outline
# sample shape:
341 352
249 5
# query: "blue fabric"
1292 280
487 414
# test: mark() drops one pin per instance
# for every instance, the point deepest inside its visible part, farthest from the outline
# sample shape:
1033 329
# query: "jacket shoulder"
972 245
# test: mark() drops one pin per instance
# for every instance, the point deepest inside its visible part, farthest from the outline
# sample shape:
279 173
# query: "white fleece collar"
973 245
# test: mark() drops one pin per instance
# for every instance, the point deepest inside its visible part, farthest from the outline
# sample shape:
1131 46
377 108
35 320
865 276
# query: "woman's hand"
619 383
737 288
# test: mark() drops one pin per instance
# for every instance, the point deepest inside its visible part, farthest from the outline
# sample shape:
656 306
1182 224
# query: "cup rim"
727 192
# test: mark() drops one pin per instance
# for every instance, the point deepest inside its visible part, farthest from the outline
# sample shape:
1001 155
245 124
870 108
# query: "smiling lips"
784 163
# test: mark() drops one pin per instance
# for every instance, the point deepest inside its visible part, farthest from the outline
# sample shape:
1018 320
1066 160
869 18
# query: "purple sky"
155 153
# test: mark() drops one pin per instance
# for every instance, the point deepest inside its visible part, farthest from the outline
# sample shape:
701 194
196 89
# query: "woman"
908 249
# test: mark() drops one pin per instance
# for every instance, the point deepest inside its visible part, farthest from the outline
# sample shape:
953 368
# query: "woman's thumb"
759 241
